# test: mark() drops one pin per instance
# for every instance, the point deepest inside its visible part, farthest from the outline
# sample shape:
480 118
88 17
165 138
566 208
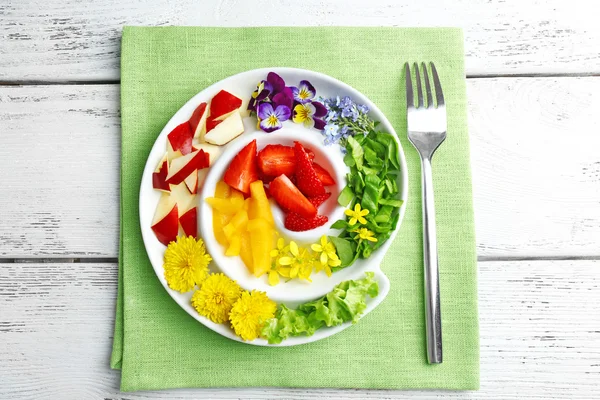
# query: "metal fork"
426 131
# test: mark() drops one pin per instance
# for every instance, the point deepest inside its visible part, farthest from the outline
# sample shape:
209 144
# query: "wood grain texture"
536 168
540 335
58 40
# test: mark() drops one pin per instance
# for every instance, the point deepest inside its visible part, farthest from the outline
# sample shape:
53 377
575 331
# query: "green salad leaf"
346 302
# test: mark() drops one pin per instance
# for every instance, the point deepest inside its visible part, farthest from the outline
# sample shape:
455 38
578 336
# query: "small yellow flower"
249 314
357 215
299 263
186 263
328 257
215 298
281 249
273 277
365 234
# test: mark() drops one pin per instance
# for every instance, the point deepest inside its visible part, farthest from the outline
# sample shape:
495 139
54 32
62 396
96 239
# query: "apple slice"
159 176
211 123
189 222
192 182
182 167
183 198
226 131
213 151
172 154
180 138
202 173
198 121
165 223
223 103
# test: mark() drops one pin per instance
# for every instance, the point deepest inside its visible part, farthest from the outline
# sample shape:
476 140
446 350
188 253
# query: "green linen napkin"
158 346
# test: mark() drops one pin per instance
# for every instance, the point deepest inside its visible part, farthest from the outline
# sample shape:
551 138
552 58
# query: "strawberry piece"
223 103
181 138
308 181
287 195
318 200
242 170
323 175
276 159
267 191
297 223
211 123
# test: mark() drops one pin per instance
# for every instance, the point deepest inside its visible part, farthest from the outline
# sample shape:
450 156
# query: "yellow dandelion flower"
365 234
356 215
215 298
186 263
249 314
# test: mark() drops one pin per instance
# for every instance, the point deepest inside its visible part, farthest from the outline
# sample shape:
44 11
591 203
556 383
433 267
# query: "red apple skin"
197 116
181 138
167 228
189 222
211 123
223 103
159 179
199 161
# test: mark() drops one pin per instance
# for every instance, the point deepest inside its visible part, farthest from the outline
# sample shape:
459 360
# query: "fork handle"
433 316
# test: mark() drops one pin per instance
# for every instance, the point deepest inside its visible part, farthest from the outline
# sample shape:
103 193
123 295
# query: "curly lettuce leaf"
346 302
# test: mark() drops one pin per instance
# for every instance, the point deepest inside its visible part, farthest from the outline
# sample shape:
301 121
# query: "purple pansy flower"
263 90
304 93
320 112
284 98
277 82
271 119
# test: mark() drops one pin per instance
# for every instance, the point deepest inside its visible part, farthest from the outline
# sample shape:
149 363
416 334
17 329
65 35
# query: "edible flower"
216 297
328 257
284 98
263 90
310 114
304 93
365 234
186 263
357 215
250 312
300 265
271 119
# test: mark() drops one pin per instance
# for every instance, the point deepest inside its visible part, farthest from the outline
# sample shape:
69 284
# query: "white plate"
294 292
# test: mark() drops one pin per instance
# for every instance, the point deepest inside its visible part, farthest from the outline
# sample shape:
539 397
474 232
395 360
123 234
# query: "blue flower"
346 102
363 109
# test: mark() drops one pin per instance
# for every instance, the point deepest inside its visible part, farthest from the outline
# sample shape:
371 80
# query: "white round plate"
294 292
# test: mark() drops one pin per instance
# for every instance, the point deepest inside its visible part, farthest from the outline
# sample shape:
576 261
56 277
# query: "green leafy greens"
346 302
372 182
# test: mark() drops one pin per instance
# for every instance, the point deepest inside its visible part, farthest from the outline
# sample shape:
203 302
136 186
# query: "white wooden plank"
59 152
539 336
61 40
535 164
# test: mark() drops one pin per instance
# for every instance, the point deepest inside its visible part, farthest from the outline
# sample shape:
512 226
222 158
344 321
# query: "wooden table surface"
534 119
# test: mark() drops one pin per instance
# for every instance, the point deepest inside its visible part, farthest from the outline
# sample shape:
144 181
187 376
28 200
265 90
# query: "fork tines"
410 102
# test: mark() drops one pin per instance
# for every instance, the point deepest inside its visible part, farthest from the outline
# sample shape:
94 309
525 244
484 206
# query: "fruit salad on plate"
308 192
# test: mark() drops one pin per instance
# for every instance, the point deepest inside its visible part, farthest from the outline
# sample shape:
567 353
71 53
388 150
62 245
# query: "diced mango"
226 206
246 251
261 239
237 224
222 190
237 196
234 246
219 221
261 202
247 204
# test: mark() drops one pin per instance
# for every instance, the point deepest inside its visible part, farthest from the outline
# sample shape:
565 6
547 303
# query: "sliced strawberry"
211 123
223 103
318 200
287 195
297 223
267 191
311 154
308 181
276 159
242 170
323 175
181 138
